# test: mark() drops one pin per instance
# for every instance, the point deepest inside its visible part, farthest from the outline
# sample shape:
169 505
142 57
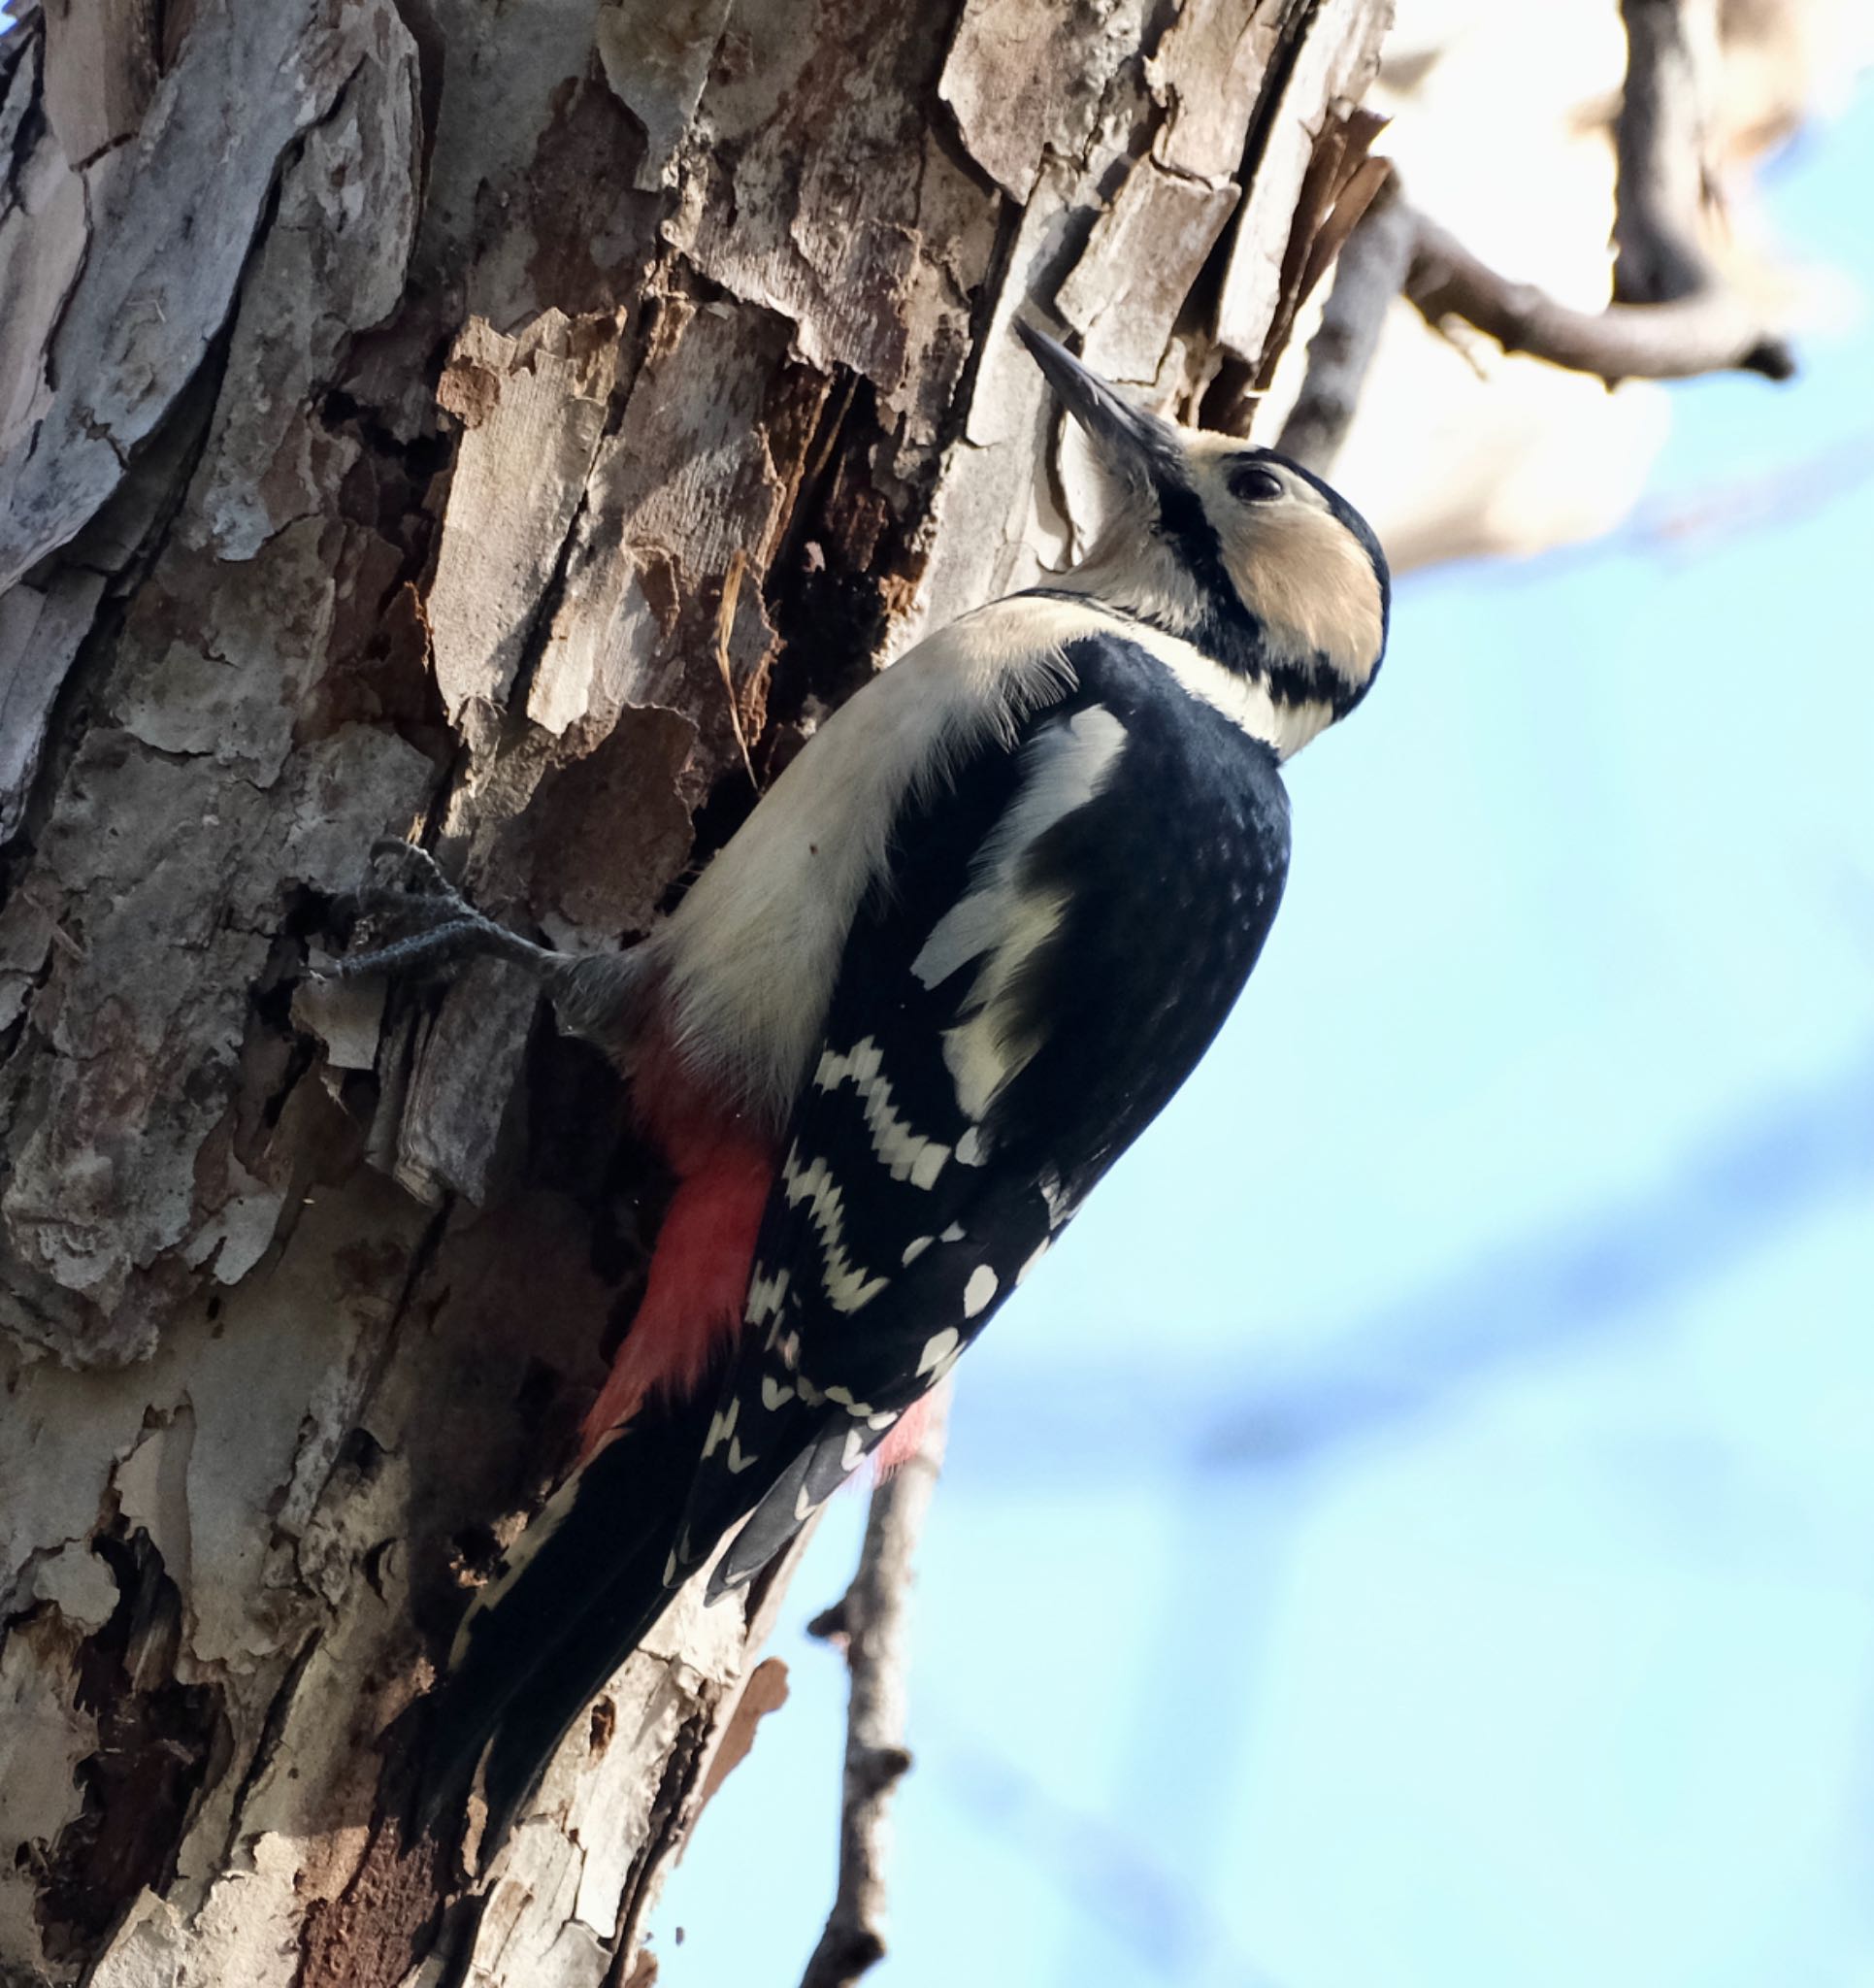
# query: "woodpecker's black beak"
1128 439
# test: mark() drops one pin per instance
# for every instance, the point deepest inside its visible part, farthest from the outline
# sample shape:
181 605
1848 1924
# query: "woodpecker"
960 955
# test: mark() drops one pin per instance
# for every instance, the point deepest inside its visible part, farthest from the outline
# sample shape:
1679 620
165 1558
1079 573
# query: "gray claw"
412 911
442 941
431 922
422 875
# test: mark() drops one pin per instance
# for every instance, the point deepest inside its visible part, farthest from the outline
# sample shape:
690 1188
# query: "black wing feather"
1169 880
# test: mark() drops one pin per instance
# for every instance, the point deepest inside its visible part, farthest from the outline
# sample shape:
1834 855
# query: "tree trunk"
510 425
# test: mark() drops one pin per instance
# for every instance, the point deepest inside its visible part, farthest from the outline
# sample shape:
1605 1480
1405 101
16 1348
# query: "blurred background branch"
1709 332
1673 315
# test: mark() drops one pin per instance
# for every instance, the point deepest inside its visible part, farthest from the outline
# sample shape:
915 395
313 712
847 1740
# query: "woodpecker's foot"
422 875
431 923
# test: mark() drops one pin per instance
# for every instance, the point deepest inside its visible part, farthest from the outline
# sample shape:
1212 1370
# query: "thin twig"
725 629
873 1621
60 938
1672 317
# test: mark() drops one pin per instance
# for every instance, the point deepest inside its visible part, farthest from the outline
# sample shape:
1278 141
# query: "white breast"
750 957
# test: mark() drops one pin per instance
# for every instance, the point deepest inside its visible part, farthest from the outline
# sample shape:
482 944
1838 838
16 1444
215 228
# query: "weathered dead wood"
1368 276
1341 181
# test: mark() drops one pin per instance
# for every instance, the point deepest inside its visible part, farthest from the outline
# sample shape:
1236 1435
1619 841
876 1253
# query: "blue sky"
1449 1562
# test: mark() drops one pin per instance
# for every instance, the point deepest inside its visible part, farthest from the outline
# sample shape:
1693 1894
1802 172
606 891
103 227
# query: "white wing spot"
738 1463
854 1452
978 1291
844 1397
1002 919
765 1296
973 1149
953 1233
1022 1273
775 1394
721 1425
937 1348
916 1248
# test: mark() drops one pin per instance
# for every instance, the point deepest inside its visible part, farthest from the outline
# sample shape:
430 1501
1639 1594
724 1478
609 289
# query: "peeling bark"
485 422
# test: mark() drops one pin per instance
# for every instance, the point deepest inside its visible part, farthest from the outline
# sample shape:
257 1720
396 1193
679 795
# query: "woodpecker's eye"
1251 483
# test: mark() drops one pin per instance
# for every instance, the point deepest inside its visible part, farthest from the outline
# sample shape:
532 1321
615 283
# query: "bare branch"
873 1618
1371 274
1672 317
1713 332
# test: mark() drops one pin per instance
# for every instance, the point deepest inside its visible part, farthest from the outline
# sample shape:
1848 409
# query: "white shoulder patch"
1069 763
1004 920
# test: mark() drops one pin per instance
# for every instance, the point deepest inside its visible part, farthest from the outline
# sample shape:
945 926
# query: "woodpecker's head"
1244 553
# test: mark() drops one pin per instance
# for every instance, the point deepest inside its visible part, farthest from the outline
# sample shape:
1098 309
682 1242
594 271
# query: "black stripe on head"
1315 681
1225 627
1185 526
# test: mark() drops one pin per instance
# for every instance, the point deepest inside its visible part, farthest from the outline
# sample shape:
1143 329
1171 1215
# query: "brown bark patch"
610 837
157 1736
376 1930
